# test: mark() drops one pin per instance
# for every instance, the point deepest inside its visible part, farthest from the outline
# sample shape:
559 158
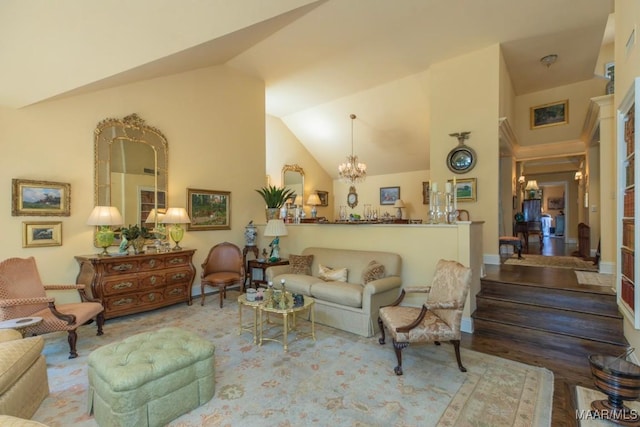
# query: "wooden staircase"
581 320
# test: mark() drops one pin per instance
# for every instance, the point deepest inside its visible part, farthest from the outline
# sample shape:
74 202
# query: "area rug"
587 418
552 261
340 379
596 279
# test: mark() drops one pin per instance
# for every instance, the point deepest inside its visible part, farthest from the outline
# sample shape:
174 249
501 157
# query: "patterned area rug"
341 379
586 418
596 279
553 261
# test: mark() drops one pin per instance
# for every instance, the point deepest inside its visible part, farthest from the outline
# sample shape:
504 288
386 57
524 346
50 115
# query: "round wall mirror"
461 159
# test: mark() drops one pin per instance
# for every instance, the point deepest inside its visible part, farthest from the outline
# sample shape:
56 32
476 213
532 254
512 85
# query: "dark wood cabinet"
135 283
532 210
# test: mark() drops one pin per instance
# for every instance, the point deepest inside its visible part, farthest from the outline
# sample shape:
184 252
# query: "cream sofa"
23 374
351 306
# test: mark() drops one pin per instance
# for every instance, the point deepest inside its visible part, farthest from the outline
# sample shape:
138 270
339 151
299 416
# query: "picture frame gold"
466 189
38 234
208 209
324 198
40 198
551 114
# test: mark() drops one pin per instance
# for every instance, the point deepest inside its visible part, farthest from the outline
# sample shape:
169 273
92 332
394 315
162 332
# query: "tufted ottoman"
151 378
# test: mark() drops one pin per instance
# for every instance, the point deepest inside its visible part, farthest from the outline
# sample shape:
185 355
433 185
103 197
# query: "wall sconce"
578 176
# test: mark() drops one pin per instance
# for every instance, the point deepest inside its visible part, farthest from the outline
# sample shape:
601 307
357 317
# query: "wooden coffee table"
20 323
288 322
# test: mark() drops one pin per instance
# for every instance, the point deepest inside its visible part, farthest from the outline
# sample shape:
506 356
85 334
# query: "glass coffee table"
288 322
253 327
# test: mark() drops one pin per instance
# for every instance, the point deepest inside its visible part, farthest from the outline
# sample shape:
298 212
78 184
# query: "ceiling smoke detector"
549 60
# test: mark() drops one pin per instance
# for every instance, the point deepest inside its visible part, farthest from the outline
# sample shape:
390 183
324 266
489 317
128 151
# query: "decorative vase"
250 233
138 245
272 213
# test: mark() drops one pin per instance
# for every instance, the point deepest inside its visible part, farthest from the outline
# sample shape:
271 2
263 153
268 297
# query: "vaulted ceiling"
321 60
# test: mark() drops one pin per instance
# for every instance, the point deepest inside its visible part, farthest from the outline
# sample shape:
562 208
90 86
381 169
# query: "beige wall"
410 184
284 148
213 119
465 97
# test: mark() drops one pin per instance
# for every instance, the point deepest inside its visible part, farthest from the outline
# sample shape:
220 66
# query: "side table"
288 322
20 323
261 265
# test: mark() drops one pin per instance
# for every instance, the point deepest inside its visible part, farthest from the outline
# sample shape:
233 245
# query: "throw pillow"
374 271
300 264
329 274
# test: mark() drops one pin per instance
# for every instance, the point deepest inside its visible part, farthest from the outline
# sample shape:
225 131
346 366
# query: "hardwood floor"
565 355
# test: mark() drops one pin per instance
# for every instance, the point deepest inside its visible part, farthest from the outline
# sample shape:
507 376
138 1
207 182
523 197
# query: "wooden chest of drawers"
135 283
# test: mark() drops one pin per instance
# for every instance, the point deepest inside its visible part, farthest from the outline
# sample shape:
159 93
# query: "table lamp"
275 228
314 201
104 217
176 217
399 204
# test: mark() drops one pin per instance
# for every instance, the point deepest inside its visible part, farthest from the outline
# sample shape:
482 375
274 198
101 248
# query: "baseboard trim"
491 259
466 325
607 267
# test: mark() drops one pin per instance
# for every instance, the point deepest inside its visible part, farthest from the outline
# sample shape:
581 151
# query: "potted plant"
136 236
275 198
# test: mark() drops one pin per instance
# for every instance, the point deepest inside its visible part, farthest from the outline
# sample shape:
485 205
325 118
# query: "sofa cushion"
374 271
342 293
296 283
332 274
301 264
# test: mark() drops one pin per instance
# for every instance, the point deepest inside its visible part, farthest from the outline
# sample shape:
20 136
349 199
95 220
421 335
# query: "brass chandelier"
352 171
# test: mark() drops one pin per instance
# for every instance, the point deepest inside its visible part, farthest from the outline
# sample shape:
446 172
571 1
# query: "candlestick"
435 186
447 187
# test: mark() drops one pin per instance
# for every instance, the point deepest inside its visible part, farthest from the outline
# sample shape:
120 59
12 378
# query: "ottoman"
151 378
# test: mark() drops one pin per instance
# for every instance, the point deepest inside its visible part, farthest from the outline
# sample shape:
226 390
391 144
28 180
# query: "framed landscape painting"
39 234
466 189
208 209
552 114
389 195
40 198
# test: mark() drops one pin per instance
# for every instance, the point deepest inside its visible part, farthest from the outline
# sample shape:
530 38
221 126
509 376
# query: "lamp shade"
153 215
532 185
176 216
313 199
105 215
398 204
275 227
298 201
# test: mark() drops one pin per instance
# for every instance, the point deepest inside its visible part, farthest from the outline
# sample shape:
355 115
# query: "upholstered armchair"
224 266
61 307
437 320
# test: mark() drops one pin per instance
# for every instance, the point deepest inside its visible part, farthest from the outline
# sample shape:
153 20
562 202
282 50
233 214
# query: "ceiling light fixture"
352 171
549 60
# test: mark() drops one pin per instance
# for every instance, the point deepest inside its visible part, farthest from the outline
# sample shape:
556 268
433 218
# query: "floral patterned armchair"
437 320
62 307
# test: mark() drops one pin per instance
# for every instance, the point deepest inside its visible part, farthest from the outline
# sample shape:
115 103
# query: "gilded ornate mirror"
293 178
130 168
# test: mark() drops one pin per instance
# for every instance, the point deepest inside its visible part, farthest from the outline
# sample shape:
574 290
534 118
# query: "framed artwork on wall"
552 114
39 234
389 195
466 189
425 192
324 198
208 209
40 198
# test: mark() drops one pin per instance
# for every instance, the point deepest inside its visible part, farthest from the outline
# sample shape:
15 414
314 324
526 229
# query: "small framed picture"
466 189
208 209
40 234
425 192
552 114
40 198
324 198
389 195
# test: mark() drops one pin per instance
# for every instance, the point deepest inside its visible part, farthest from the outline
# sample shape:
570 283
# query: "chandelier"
352 171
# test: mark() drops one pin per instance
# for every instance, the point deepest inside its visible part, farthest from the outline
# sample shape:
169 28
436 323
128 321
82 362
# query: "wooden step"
548 343
581 325
603 304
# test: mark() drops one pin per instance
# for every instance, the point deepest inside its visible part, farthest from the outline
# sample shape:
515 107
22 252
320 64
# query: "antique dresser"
134 283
